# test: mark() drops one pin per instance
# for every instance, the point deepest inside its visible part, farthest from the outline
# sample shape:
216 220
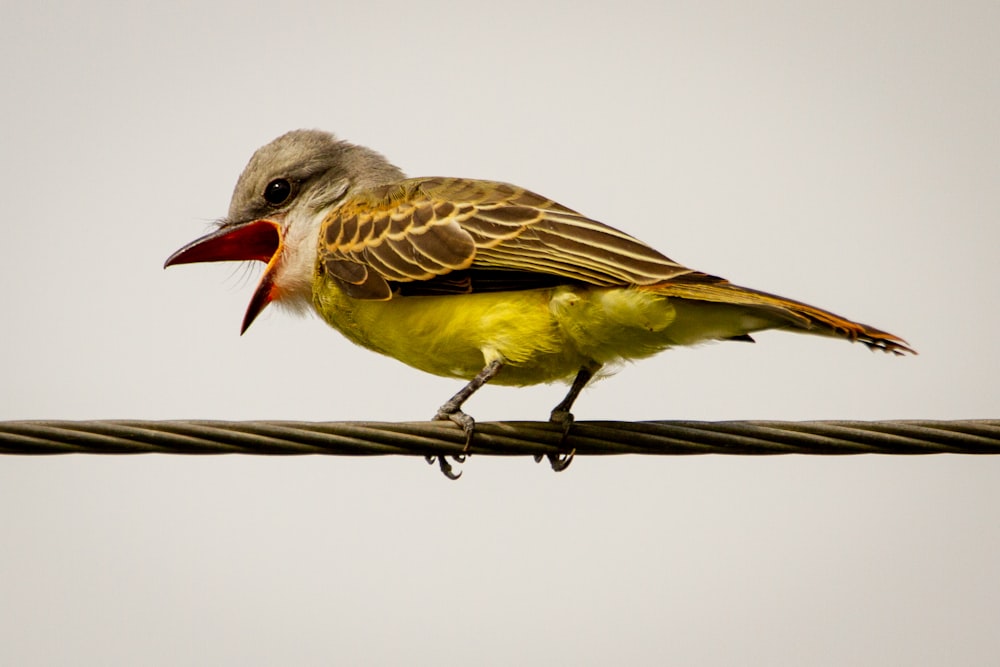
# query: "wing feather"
421 229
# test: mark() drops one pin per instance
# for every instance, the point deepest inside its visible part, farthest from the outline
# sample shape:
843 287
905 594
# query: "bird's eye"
277 191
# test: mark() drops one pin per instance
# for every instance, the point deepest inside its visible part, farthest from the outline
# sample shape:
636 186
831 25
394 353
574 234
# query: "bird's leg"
452 411
562 416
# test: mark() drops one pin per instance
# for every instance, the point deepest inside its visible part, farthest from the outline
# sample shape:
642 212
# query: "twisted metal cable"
499 438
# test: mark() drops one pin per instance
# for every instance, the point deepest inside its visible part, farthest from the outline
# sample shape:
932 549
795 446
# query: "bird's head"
278 205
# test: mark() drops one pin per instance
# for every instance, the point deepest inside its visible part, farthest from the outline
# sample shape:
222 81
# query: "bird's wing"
451 235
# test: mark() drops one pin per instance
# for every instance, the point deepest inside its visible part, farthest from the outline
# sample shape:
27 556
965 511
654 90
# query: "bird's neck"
293 278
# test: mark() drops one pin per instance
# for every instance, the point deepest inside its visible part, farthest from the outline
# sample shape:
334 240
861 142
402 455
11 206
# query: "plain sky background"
846 154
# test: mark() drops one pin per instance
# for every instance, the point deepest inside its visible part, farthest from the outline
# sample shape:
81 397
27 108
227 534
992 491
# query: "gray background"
844 154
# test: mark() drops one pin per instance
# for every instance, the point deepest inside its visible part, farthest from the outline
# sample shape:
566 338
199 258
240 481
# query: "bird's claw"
560 461
446 468
468 424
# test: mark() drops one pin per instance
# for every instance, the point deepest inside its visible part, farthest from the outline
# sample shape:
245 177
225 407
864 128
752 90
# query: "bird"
476 280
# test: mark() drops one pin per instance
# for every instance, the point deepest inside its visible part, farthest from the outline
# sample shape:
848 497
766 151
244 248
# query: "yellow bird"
472 279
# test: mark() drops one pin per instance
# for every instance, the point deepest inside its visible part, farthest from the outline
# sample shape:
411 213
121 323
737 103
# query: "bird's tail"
784 313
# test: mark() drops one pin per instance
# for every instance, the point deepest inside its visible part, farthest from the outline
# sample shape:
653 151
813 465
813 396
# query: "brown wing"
448 235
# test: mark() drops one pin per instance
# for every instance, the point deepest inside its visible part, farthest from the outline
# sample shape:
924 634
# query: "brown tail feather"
801 316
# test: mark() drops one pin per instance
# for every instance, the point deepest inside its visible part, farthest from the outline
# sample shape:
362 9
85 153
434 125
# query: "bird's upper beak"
256 240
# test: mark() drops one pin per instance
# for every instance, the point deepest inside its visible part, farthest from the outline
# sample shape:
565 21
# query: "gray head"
277 209
308 168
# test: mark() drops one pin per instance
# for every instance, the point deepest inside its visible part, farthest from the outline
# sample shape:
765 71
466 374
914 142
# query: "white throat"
293 276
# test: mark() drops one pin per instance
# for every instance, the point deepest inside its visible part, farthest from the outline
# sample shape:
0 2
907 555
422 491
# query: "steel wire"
287 438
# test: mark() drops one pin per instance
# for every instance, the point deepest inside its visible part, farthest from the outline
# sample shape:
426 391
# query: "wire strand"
671 438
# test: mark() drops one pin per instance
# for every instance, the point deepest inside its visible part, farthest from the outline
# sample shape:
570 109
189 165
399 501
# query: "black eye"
277 191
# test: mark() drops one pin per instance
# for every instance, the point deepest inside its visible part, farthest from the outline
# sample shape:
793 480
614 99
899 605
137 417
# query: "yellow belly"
541 335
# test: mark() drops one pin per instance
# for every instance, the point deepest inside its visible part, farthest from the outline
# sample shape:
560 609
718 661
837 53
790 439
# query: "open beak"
257 240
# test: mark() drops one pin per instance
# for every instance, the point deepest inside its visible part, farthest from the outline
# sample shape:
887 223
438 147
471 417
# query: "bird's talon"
446 468
560 462
467 424
463 421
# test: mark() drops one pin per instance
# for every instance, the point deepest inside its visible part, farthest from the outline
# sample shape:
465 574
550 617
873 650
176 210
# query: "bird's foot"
468 424
452 411
560 461
446 468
